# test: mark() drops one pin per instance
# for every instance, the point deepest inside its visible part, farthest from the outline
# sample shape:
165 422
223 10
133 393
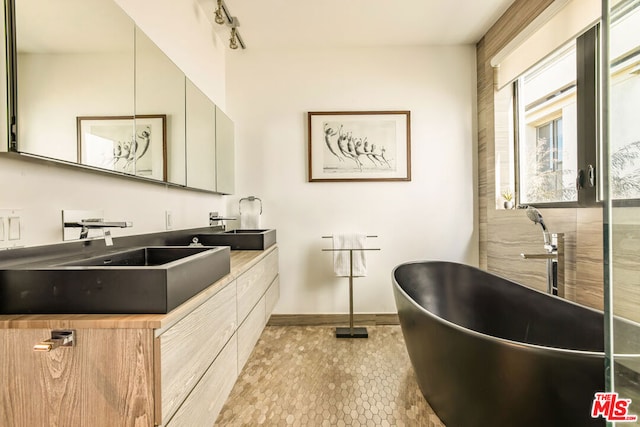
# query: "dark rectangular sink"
137 280
149 256
246 231
242 239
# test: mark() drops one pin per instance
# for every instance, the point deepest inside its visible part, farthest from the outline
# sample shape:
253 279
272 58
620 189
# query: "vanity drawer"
188 348
249 332
271 297
254 282
203 405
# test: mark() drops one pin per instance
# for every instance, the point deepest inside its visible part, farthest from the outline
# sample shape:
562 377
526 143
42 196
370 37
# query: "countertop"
241 261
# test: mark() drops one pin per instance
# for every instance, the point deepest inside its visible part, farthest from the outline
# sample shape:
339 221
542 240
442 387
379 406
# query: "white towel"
249 220
341 258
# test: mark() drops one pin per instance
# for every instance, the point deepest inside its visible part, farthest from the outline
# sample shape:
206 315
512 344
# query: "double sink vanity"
151 331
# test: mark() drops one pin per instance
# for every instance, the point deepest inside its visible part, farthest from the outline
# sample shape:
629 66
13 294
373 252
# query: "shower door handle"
591 175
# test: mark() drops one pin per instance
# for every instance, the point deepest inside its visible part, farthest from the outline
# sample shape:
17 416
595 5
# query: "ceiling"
359 23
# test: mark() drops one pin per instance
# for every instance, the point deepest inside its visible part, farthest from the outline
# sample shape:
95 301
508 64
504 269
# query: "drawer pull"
59 338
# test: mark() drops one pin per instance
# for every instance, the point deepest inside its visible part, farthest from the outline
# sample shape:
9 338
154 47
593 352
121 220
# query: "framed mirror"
160 92
225 153
74 59
89 88
201 137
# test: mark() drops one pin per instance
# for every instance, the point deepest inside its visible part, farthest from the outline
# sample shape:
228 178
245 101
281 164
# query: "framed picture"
359 146
135 146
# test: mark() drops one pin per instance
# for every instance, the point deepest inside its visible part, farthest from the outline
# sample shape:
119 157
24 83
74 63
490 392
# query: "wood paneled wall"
505 234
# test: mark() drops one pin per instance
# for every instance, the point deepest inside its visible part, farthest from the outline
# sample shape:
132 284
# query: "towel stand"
350 332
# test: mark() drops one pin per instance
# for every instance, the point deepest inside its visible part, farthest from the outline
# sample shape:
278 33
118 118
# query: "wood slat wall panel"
504 234
626 280
589 259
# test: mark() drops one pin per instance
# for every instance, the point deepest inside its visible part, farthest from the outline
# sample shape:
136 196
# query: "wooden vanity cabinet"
103 380
139 370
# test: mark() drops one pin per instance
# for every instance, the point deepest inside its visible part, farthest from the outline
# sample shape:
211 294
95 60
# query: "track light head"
218 14
233 40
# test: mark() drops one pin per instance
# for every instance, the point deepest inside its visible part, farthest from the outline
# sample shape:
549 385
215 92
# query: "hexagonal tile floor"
304 376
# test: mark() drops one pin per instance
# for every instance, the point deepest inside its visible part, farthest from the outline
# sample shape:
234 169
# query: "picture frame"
133 145
359 146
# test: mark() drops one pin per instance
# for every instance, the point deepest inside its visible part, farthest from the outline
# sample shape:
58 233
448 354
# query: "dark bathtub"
490 352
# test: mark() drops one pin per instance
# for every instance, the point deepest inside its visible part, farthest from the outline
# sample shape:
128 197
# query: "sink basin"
242 239
246 231
149 256
150 279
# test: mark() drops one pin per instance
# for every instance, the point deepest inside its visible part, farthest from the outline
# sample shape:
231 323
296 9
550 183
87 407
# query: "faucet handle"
108 240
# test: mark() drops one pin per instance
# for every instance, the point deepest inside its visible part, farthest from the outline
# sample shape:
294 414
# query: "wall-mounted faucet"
554 247
98 223
217 220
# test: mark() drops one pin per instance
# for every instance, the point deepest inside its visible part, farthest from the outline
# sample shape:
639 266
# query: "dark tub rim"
480 335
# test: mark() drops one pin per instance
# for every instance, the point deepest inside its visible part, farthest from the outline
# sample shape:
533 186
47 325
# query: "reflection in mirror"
201 139
122 144
225 156
74 59
160 90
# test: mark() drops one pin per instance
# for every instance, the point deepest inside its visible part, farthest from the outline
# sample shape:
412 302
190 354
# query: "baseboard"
371 319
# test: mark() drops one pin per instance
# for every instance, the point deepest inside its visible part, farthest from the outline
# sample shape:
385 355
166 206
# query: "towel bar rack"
350 332
331 237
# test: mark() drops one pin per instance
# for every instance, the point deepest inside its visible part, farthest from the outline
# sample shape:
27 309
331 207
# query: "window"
547 140
548 165
556 114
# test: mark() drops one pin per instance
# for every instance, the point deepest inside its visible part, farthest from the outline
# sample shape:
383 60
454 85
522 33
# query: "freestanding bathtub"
490 352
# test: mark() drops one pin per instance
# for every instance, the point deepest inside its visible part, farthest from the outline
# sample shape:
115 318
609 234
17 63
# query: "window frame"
588 126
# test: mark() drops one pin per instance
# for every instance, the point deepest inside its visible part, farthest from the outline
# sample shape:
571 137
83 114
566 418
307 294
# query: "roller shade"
562 21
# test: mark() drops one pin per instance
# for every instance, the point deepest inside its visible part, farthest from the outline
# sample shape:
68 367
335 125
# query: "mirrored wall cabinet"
110 100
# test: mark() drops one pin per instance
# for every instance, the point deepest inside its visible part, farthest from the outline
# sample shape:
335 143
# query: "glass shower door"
620 165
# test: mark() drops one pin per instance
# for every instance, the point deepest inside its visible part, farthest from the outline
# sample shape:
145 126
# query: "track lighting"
223 16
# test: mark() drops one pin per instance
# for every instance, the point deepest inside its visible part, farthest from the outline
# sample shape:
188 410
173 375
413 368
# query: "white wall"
43 190
431 217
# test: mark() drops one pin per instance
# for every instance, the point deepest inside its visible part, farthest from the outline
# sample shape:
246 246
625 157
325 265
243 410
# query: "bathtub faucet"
555 262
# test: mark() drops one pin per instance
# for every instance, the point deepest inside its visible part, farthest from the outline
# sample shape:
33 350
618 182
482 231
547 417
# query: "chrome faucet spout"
217 220
98 223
